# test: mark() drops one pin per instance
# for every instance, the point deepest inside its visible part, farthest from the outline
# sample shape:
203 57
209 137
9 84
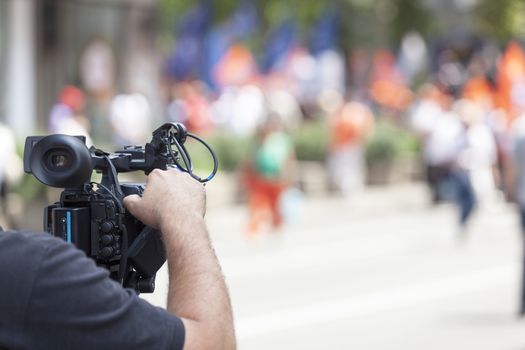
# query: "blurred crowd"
465 101
470 130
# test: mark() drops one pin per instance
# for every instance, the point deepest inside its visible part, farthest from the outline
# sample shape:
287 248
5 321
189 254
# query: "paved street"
383 270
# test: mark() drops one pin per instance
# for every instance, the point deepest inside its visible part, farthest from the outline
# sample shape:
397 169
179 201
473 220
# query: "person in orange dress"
267 173
350 127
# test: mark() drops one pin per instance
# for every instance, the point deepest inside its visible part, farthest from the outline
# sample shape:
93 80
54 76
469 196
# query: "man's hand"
175 203
170 196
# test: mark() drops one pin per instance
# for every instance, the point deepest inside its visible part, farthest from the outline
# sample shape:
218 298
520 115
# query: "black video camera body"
92 215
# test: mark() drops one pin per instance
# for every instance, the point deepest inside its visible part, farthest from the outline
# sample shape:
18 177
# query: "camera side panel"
72 225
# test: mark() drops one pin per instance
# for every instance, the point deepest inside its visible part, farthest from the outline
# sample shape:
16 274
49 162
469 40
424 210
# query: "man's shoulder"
21 255
25 244
27 252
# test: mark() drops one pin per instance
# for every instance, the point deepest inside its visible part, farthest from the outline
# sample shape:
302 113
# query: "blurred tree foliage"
501 19
311 141
409 15
230 149
272 12
363 22
172 11
390 143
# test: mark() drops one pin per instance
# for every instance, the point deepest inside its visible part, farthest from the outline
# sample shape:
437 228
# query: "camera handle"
109 176
147 255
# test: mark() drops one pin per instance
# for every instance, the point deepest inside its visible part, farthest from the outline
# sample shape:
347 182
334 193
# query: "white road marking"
386 300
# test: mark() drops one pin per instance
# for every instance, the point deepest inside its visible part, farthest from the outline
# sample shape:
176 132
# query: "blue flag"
325 33
186 58
280 42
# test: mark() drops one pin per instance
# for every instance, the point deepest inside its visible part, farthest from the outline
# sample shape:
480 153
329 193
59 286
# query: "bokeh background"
371 171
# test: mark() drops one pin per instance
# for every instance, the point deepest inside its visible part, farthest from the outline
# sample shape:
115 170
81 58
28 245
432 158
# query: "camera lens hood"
61 161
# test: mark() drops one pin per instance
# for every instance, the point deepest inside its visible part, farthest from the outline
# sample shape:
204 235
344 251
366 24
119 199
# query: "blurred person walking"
350 127
462 163
10 169
190 106
130 117
267 174
67 115
445 152
510 100
517 179
426 121
479 157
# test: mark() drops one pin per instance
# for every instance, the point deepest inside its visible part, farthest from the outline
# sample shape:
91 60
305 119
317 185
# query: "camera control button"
106 226
106 239
106 252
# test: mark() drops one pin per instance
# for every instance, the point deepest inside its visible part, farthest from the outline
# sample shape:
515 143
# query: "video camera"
92 215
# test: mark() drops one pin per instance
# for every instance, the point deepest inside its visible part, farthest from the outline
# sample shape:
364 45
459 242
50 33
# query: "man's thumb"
131 202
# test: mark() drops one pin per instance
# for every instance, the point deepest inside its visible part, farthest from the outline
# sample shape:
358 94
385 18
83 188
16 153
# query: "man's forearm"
197 290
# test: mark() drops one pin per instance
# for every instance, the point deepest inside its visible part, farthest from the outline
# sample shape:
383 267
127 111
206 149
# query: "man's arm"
176 204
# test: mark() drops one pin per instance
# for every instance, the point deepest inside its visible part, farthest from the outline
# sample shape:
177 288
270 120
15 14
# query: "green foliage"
29 188
311 141
360 27
231 150
410 16
390 143
305 11
365 23
272 12
172 12
501 19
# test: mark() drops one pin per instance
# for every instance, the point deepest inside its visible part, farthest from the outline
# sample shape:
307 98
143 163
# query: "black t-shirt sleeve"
74 305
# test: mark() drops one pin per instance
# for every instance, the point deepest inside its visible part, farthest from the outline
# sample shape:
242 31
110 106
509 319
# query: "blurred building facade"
100 46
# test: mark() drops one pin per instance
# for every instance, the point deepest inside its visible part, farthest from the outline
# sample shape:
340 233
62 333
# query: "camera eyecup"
61 161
